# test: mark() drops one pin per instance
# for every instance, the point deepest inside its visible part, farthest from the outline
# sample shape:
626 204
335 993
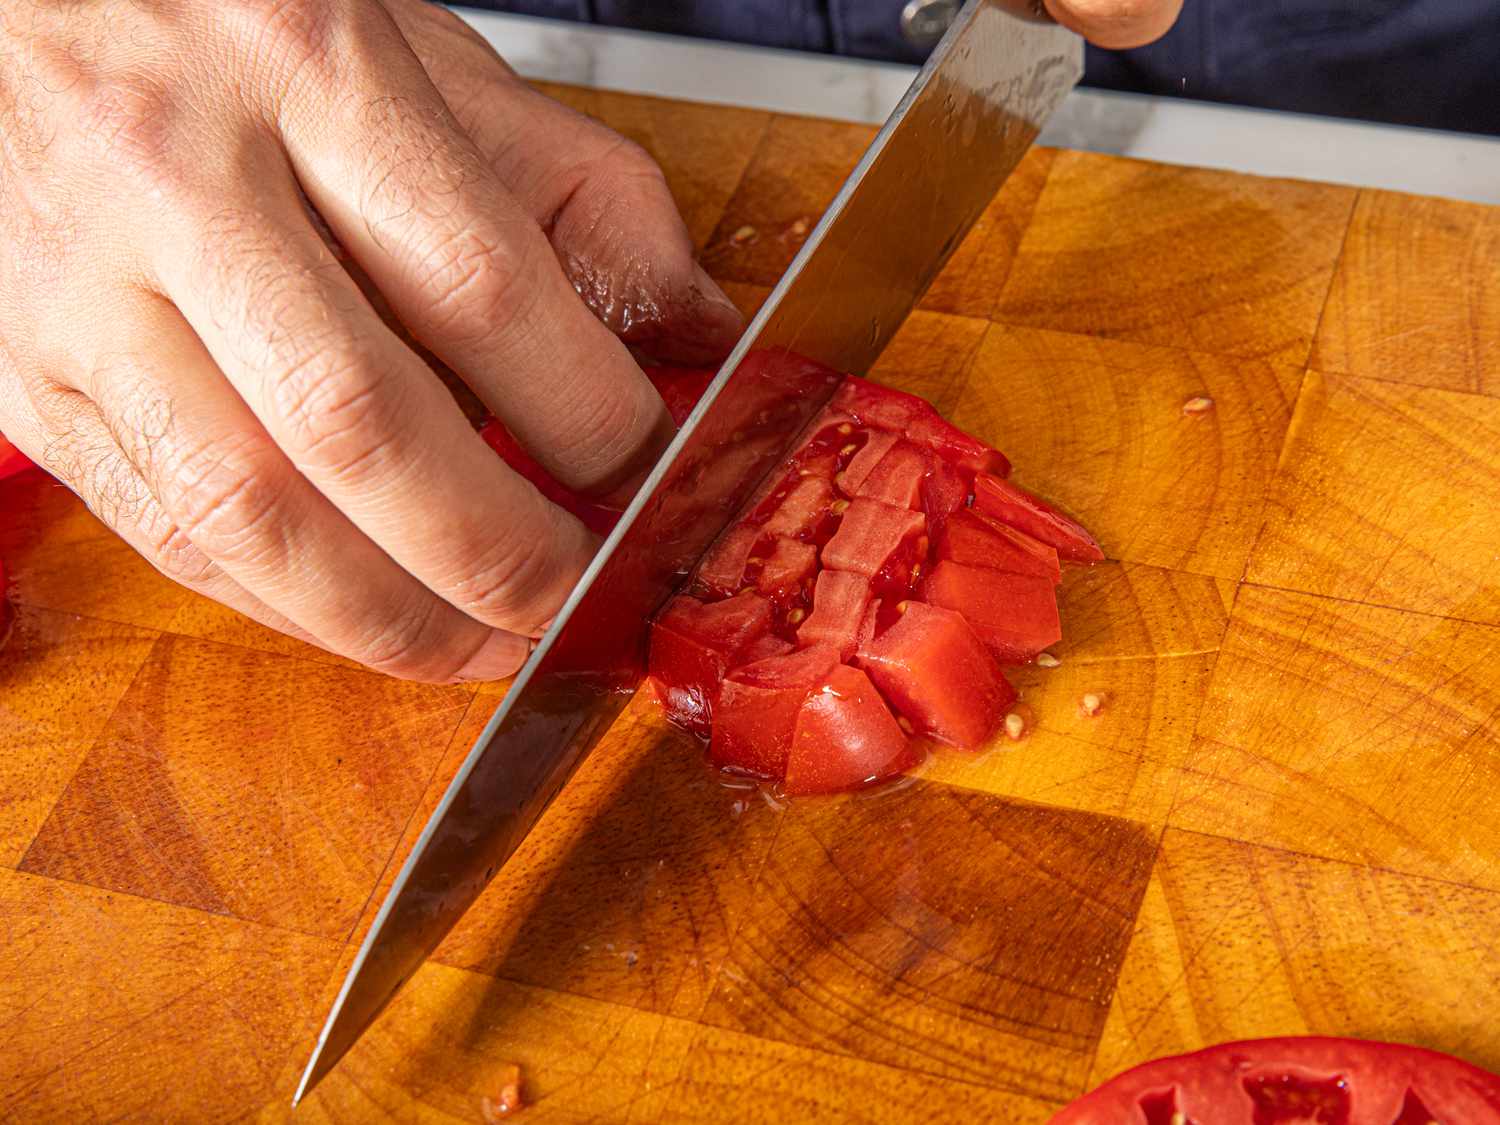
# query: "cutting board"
1282 821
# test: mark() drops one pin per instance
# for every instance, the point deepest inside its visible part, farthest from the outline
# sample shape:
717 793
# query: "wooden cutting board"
1283 821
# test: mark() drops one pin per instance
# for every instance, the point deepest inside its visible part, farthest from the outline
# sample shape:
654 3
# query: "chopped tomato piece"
803 510
758 708
763 648
935 670
1038 519
695 644
680 388
722 569
944 492
787 569
897 480
870 533
1015 614
877 444
916 420
840 602
972 539
845 736
12 460
597 518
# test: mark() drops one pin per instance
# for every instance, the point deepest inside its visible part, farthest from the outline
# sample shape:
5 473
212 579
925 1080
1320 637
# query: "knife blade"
968 118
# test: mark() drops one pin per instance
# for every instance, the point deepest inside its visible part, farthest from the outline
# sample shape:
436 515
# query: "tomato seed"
1200 404
839 507
848 449
1090 704
905 724
796 616
1047 660
745 236
1015 726
845 429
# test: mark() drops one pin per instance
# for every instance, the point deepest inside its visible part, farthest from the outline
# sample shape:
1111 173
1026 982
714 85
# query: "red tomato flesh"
12 460
972 539
845 737
937 673
694 645
597 518
1323 1081
1038 519
863 581
1015 614
680 388
758 708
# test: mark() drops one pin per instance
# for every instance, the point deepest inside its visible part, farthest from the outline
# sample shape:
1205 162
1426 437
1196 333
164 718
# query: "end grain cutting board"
1283 820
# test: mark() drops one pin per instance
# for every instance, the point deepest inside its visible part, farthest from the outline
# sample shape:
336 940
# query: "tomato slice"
972 539
12 460
758 708
695 644
788 570
1015 614
721 571
1038 519
680 388
937 673
1324 1081
845 737
897 479
597 518
916 420
803 510
944 491
841 601
870 533
877 444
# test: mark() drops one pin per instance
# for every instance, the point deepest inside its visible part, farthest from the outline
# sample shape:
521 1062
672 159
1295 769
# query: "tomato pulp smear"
865 600
1290 1081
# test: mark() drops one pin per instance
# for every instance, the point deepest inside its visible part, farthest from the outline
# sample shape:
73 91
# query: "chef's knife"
967 120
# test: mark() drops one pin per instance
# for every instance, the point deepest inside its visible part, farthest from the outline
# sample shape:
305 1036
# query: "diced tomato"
803 511
680 388
12 460
935 670
1038 519
694 645
758 708
1015 614
916 420
862 464
597 518
845 736
870 533
787 569
972 539
763 648
897 480
944 491
840 602
722 569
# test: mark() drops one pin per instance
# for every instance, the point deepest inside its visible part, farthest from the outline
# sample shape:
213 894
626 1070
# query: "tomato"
870 534
864 599
972 539
845 737
841 601
1038 519
758 708
680 388
695 644
1320 1081
1015 614
12 460
937 673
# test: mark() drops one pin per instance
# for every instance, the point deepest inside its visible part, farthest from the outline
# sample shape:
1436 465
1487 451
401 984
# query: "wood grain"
60 678
1362 734
1098 426
1237 941
1388 494
1211 261
1318 743
1416 297
941 931
241 783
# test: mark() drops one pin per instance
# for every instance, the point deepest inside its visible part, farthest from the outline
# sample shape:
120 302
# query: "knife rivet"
923 22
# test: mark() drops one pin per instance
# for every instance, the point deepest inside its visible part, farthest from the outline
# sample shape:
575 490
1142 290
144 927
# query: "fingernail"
501 655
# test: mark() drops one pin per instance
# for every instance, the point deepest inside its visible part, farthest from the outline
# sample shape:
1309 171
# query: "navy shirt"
1412 62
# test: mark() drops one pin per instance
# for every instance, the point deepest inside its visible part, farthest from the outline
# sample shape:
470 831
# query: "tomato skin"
12 460
597 518
937 673
973 539
694 645
1015 614
680 388
758 708
1261 1082
845 737
915 419
1038 519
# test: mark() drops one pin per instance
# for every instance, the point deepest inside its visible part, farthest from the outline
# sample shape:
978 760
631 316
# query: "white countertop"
1169 130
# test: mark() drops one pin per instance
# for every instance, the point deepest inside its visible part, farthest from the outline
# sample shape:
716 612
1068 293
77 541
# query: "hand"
191 197
1117 24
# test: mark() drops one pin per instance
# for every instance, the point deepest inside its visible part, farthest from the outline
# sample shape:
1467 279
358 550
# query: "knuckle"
127 122
508 581
607 431
226 502
410 644
477 287
336 409
175 554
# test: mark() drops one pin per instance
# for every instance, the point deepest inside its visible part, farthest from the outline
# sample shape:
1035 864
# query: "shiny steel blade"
967 120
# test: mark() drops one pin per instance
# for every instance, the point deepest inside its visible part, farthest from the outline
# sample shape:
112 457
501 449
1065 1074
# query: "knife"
970 115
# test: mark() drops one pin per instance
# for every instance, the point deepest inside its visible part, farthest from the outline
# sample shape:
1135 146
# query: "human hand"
191 196
1117 24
